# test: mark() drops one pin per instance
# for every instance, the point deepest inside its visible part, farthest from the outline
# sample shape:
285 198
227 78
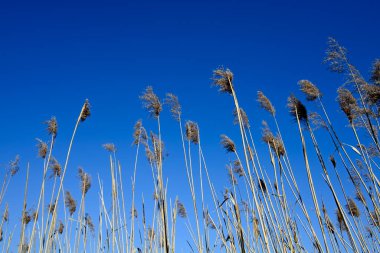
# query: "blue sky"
54 55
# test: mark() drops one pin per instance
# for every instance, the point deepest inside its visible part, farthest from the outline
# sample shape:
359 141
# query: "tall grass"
265 207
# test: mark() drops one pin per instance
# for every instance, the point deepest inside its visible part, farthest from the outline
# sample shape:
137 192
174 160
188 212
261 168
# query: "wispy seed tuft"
311 91
265 103
151 102
223 78
227 143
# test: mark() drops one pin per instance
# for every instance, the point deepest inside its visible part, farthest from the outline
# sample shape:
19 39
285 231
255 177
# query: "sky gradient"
55 55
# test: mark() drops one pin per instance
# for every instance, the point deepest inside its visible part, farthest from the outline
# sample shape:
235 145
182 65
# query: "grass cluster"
257 212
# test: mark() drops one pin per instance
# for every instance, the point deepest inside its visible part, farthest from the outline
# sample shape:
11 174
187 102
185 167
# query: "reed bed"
266 206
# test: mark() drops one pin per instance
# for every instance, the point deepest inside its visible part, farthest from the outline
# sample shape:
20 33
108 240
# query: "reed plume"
52 127
42 148
86 111
151 102
175 106
85 179
192 132
347 103
311 91
375 73
265 103
227 143
70 203
223 78
244 117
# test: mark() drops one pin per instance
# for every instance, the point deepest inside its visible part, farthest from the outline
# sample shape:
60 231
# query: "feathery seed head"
223 79
335 56
139 133
192 132
181 209
311 91
297 109
89 224
110 147
340 219
14 165
151 102
347 103
371 94
55 167
86 112
243 116
227 143
70 203
175 106
375 73
352 208
265 103
42 148
85 181
52 126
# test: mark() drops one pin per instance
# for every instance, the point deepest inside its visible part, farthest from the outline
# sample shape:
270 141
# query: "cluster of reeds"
264 208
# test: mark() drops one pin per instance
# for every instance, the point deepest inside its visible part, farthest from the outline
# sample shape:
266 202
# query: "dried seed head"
85 179
359 195
14 165
371 94
273 141
149 155
352 208
208 220
311 91
297 109
70 203
227 143
60 227
262 186
139 133
55 167
265 103
243 116
52 126
86 112
335 56
238 168
328 221
175 106
341 224
317 121
192 132
181 209
375 73
110 147
89 224
158 147
223 79
347 103
42 148
151 102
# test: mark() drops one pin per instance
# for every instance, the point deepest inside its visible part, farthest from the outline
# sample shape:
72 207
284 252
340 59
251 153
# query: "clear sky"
53 55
